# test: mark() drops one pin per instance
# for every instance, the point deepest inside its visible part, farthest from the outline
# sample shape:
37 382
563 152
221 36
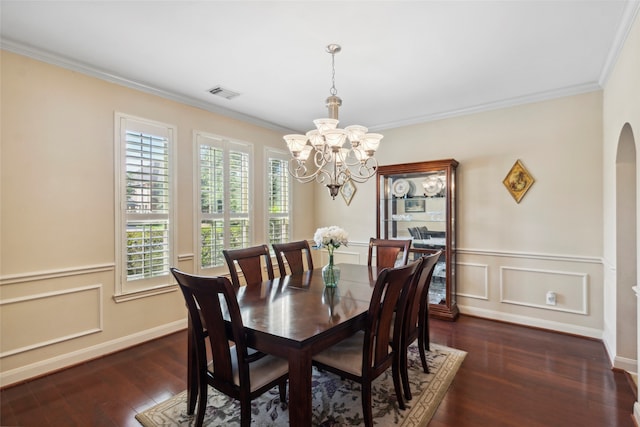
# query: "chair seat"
346 355
261 372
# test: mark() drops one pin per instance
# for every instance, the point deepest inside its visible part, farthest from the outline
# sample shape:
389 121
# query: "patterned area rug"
336 402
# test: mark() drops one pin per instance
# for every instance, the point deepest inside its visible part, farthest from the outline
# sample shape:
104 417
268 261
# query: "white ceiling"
402 62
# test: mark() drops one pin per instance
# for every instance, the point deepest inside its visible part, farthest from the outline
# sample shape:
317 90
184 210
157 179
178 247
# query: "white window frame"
126 289
272 153
227 145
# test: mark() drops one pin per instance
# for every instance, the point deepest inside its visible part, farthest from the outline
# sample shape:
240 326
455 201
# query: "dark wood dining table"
295 317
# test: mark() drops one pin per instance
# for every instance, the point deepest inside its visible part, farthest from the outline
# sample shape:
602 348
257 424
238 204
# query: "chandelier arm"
360 178
323 176
299 171
343 176
322 157
364 171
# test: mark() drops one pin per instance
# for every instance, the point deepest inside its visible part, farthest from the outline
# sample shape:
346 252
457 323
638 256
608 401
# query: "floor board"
512 376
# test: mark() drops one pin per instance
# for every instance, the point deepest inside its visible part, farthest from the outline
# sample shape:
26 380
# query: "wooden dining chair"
293 254
416 321
238 373
250 262
387 252
367 354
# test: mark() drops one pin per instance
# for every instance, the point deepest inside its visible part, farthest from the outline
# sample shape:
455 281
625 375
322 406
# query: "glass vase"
331 273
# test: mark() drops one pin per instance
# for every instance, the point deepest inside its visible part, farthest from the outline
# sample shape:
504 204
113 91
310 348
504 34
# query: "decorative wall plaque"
518 181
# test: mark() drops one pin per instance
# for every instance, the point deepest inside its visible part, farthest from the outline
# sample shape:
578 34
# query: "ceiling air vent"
225 93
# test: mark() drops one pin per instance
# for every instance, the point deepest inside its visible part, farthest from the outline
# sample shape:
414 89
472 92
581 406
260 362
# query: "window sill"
129 296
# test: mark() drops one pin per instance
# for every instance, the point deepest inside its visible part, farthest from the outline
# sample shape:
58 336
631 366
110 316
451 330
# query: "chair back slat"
387 252
387 299
293 254
251 262
419 296
214 316
203 296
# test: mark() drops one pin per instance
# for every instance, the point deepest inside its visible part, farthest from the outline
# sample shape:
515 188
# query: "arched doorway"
626 246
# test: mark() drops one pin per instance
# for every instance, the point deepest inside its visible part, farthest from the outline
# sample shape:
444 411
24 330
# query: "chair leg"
367 411
192 373
282 387
423 356
425 333
396 383
404 372
423 342
245 412
202 401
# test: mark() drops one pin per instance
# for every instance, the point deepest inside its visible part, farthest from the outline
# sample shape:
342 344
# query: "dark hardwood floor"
512 376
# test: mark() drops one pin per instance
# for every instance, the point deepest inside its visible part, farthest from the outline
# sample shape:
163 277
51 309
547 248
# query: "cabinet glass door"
416 202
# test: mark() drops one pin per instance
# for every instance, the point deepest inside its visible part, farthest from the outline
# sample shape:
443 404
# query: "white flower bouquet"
330 237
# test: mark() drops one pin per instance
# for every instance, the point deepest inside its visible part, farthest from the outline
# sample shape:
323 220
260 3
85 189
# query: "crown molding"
631 11
626 22
496 105
70 64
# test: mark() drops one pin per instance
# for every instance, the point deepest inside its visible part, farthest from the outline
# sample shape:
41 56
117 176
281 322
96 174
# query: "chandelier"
330 155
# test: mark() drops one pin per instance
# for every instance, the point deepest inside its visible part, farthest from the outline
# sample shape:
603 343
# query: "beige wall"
511 254
621 107
57 216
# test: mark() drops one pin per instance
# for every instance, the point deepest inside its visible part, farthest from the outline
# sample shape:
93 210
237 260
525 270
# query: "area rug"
336 402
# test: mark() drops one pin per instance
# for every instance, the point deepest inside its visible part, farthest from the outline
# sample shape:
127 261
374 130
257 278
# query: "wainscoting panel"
528 287
343 255
56 316
473 280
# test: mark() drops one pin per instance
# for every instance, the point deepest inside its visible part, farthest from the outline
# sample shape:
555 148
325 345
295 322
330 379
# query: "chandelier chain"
333 89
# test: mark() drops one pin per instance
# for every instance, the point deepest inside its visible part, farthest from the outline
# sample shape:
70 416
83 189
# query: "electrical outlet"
551 298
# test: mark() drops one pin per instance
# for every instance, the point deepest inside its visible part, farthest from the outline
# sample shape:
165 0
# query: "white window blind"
145 220
224 197
147 192
278 197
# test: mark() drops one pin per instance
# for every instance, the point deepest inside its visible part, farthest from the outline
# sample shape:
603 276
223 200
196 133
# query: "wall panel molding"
473 273
54 274
51 321
506 254
85 354
186 257
564 280
531 255
350 257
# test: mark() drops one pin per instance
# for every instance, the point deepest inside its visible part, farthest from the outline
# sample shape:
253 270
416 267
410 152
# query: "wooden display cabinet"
417 201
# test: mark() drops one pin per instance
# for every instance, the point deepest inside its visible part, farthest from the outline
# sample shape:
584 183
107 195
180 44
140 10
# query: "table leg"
300 388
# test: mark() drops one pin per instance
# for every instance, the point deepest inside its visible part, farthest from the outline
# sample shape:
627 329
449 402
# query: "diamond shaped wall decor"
518 181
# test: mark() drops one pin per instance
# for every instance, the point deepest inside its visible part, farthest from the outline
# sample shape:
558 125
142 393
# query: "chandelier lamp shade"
331 155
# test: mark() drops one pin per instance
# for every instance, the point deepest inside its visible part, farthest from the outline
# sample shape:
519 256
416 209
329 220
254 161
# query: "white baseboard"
66 360
533 322
625 364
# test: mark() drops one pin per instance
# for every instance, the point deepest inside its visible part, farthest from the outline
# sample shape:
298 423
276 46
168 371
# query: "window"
278 197
144 212
224 197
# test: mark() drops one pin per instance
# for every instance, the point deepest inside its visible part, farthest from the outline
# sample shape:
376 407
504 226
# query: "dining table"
295 317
